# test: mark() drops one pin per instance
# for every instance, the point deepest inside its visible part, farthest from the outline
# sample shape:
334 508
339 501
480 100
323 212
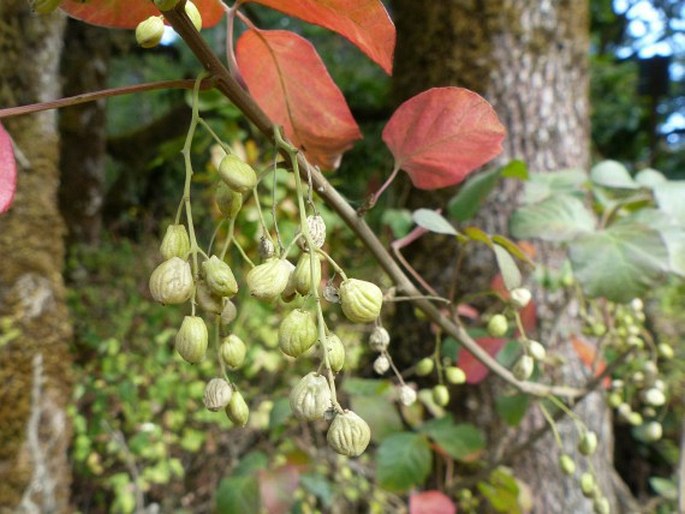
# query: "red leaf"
474 369
276 488
127 14
364 22
431 502
290 83
441 135
588 356
8 171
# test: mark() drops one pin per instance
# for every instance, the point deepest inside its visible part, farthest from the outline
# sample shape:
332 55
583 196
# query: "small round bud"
266 248
361 301
302 276
614 400
228 312
232 351
567 465
635 419
617 384
601 506
194 14
228 201
175 243
311 397
336 352
407 395
166 5
330 293
587 485
192 338
149 32
660 385
665 351
455 375
654 397
268 280
520 297
536 350
172 282
219 277
381 364
297 333
498 325
217 394
237 410
653 431
348 434
424 367
317 232
523 369
379 339
237 174
441 395
624 411
636 304
588 443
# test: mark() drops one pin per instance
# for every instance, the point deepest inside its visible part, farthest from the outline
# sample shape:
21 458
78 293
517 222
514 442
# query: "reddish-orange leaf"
276 487
431 502
588 356
8 171
127 14
364 22
441 135
474 369
290 83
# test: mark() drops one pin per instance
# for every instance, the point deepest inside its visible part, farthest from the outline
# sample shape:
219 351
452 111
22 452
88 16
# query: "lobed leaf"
290 83
127 14
462 441
441 135
365 23
612 174
558 218
404 460
8 171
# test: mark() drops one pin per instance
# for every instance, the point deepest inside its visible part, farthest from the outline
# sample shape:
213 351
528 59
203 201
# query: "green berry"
425 367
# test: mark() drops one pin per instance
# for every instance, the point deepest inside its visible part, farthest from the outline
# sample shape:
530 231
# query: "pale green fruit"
217 394
232 351
207 301
654 397
361 301
407 395
302 276
381 364
424 367
379 339
601 506
520 297
268 280
175 243
567 465
149 32
523 368
455 375
498 325
311 397
588 443
192 339
348 434
336 352
219 277
237 174
172 282
237 410
441 395
537 351
653 431
587 485
228 201
665 351
194 14
297 333
317 232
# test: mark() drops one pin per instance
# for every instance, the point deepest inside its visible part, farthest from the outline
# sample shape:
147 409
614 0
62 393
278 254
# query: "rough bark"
34 359
85 62
529 59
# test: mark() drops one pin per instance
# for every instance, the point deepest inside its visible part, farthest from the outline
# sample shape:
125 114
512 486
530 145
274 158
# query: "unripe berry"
361 301
217 394
311 397
317 232
498 325
665 351
654 397
302 276
297 333
228 201
192 339
588 443
172 282
567 465
653 431
269 279
194 15
149 32
381 364
537 351
228 312
175 243
455 375
232 351
379 339
523 368
237 174
336 352
441 396
219 277
520 297
587 485
407 395
601 506
424 367
237 410
348 434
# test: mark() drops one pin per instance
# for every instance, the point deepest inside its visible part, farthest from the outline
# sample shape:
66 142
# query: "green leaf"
366 386
670 197
476 234
404 460
612 174
619 263
319 486
465 204
649 177
399 221
237 495
512 408
502 491
462 442
433 221
512 248
671 232
515 169
382 418
508 267
664 487
250 463
543 185
558 218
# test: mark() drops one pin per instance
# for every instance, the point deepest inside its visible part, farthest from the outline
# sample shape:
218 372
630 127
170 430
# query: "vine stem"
230 88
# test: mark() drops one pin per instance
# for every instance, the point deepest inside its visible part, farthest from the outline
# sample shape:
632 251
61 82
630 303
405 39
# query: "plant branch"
99 95
232 90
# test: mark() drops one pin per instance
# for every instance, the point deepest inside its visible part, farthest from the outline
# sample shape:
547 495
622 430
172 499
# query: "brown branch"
236 94
98 95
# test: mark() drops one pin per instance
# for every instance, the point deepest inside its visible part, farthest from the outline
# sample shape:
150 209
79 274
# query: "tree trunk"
34 353
529 59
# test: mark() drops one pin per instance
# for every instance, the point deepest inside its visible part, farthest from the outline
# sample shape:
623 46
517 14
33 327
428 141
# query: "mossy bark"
529 59
34 357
